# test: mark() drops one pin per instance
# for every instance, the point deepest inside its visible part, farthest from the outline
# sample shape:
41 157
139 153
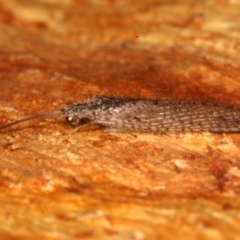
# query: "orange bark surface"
57 183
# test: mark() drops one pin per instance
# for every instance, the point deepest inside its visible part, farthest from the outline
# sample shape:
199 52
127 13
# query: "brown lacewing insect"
147 115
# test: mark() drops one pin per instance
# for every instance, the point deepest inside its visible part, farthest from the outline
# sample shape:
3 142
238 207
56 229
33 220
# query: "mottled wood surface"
57 183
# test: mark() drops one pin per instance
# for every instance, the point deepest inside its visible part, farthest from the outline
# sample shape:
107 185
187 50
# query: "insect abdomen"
161 116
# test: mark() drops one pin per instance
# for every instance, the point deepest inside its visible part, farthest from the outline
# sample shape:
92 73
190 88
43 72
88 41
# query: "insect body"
148 115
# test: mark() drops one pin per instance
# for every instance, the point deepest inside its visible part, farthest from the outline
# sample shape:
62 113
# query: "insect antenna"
51 114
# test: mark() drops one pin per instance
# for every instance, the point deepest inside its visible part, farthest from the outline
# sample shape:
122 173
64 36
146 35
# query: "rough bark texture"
57 183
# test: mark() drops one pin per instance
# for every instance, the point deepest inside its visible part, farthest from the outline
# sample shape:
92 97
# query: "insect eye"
72 120
69 119
76 122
